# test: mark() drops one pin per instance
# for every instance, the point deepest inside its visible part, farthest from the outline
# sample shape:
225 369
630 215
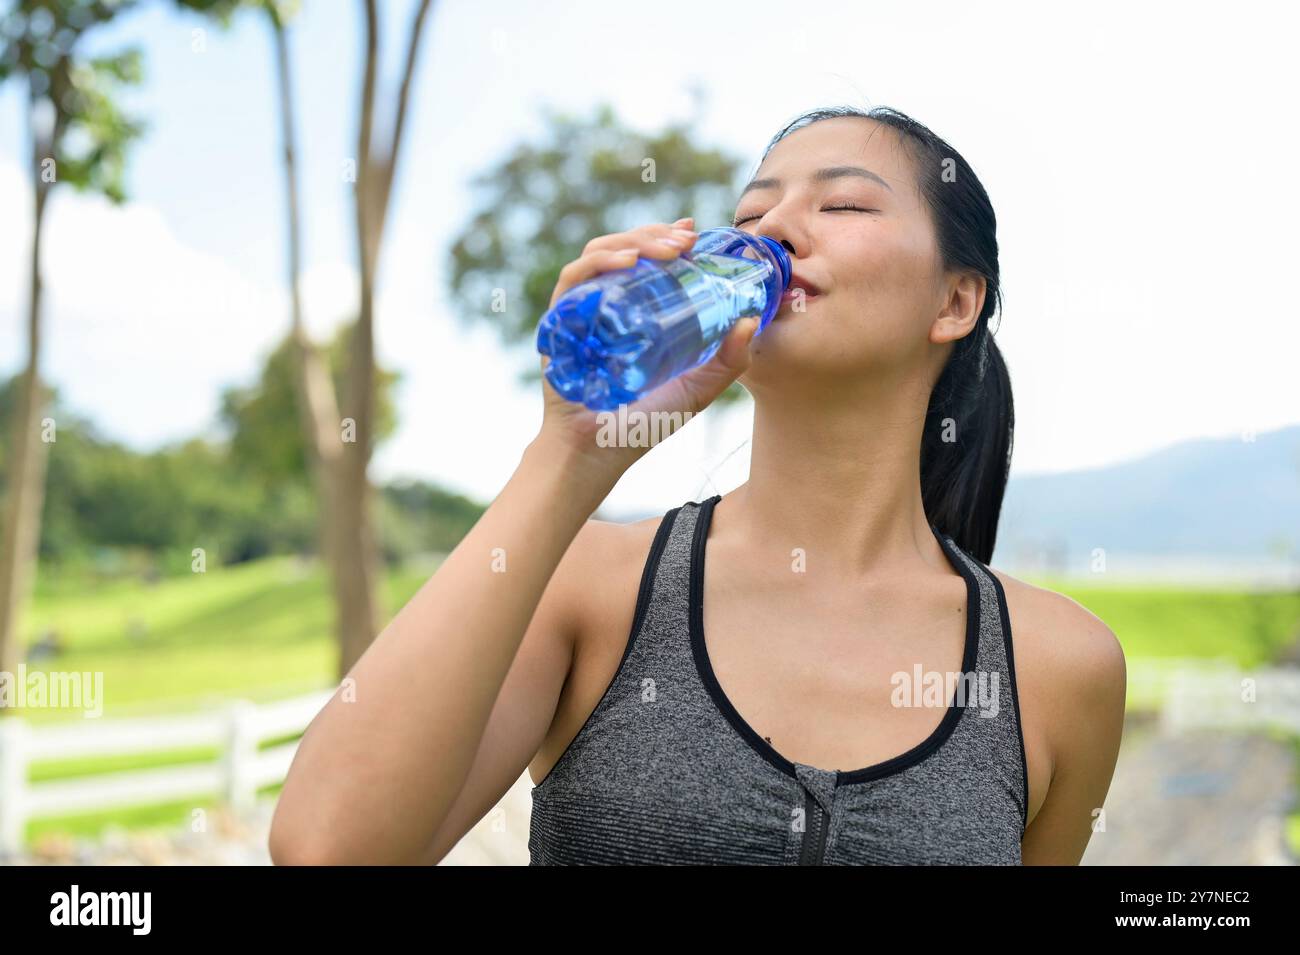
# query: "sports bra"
665 771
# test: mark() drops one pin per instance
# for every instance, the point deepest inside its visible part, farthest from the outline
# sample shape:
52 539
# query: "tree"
266 439
339 447
78 135
77 444
357 553
586 178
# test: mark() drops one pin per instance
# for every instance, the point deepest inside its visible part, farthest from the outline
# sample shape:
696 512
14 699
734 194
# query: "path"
1199 798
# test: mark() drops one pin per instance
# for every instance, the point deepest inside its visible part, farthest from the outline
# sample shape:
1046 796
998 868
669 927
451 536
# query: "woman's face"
880 282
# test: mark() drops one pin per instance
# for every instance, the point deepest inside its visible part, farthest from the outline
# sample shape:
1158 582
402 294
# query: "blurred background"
269 277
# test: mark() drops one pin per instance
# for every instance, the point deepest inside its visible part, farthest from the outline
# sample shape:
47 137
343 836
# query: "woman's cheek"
878 322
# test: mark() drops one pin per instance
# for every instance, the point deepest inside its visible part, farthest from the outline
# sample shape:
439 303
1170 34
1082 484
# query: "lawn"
259 630
1153 622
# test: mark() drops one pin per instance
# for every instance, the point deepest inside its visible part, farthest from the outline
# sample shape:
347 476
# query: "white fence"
1233 700
239 770
1217 694
1151 679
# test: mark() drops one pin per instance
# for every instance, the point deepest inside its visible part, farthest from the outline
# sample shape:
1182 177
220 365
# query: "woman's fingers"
656 240
591 264
621 250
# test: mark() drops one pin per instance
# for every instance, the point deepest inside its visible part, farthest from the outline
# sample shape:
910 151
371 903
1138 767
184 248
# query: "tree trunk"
317 403
27 461
358 554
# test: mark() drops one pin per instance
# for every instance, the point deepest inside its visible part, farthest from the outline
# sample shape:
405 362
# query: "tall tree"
357 553
338 446
317 400
78 135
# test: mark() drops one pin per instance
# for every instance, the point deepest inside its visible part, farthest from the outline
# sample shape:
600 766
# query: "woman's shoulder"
605 563
605 540
1070 667
602 541
1062 634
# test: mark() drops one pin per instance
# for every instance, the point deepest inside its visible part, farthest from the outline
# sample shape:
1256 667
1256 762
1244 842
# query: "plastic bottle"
623 333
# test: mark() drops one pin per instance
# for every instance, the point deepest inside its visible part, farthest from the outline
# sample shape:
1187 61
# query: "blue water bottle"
623 333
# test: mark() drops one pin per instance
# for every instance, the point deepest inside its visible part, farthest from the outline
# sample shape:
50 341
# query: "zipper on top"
816 828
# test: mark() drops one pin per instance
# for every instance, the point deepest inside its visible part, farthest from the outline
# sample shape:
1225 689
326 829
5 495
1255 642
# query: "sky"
1138 158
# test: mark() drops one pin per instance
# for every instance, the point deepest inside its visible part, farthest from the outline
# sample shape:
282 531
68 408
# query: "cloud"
142 332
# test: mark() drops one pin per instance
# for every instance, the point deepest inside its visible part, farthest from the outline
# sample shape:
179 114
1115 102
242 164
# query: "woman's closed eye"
743 219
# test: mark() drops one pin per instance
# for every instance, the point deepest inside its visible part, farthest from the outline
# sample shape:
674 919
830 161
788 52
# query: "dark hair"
964 467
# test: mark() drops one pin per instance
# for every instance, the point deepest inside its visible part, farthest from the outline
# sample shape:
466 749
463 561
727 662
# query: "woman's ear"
962 310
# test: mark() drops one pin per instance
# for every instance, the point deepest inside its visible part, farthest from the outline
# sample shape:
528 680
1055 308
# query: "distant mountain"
1226 501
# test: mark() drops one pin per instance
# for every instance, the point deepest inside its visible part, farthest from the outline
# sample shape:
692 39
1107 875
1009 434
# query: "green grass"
161 816
1156 622
260 630
47 770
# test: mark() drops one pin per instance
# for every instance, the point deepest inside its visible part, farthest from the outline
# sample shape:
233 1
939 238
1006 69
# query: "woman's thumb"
734 352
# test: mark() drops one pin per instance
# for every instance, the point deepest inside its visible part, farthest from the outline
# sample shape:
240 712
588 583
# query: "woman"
869 690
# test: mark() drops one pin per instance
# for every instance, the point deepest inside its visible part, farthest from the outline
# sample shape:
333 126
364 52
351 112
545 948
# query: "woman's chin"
781 353
794 306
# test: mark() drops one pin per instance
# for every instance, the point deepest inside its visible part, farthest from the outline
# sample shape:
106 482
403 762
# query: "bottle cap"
782 257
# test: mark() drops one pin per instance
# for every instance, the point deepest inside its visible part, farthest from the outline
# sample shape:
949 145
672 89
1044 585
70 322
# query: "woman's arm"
382 764
445 709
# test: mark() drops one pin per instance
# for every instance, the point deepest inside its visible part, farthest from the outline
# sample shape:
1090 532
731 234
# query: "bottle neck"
779 282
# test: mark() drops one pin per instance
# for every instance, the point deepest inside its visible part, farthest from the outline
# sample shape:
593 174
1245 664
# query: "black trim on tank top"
888 767
648 574
1015 693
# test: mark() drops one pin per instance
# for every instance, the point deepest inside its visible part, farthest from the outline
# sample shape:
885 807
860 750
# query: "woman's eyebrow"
821 175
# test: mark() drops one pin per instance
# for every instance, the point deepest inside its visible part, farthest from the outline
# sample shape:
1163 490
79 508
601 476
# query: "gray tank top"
665 771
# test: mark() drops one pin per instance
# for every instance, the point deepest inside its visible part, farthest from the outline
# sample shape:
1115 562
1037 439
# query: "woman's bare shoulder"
601 541
1062 636
607 559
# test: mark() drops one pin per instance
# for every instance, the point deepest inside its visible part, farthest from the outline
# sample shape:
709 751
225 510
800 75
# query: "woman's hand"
573 426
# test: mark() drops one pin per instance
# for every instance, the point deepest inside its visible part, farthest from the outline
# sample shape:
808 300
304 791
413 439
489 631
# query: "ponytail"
966 445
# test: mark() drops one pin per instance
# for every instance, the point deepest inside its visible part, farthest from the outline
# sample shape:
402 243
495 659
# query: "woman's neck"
840 479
